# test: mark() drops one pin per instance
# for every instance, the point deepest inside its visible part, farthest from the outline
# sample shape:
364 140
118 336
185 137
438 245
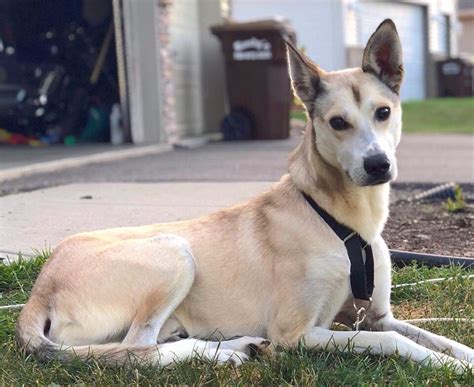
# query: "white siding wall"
214 93
437 12
437 9
199 69
439 34
367 15
441 39
318 24
185 42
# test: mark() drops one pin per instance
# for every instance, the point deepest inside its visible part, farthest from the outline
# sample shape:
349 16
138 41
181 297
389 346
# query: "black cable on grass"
403 258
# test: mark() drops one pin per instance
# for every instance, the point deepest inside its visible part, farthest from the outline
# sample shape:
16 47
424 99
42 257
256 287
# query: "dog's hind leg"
380 343
158 305
113 289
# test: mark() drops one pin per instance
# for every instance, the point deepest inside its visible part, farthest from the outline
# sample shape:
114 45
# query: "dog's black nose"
377 165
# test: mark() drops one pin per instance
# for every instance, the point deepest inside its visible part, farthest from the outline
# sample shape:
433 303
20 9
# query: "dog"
271 271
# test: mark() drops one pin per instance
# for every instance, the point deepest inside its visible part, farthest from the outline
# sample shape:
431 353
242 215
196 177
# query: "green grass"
298 115
457 204
437 115
298 366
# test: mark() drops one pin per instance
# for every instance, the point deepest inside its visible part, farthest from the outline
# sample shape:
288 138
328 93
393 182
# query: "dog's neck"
364 209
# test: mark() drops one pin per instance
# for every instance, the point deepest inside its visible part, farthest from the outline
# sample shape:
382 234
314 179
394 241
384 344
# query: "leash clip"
361 313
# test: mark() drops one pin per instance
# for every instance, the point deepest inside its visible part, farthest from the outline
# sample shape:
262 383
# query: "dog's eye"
338 123
381 114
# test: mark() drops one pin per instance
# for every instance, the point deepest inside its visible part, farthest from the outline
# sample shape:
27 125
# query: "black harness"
359 252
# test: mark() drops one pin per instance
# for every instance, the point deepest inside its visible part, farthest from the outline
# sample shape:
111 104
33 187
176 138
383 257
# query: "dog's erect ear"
305 76
383 55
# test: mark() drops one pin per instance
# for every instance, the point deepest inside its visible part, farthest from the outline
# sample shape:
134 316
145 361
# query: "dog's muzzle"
378 169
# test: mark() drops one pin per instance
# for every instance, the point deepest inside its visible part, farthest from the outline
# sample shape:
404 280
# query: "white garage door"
317 24
410 25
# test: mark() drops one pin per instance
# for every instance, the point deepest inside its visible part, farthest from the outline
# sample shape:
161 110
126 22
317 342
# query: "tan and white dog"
270 270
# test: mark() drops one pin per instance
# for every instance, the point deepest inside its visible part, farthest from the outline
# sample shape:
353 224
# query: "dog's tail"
31 334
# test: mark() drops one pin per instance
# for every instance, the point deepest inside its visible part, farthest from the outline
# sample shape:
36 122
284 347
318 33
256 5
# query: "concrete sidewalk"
39 220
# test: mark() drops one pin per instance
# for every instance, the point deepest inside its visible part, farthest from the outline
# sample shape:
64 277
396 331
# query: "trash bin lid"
279 25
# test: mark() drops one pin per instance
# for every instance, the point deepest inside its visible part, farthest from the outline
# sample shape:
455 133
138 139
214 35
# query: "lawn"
299 366
437 115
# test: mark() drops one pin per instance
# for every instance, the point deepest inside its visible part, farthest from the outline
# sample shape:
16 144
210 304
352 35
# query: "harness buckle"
351 235
361 313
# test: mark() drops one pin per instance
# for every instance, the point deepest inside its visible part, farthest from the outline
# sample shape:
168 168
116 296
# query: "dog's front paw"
461 366
250 345
229 356
464 353
258 348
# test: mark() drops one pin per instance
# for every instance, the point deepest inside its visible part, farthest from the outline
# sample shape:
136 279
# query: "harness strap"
358 250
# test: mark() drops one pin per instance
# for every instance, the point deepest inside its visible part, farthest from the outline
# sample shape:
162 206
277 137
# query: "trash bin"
455 78
258 84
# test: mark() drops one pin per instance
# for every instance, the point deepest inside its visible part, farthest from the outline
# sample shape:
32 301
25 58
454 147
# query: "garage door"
410 25
317 24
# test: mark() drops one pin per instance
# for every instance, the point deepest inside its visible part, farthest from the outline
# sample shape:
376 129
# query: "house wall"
318 24
442 21
213 90
466 37
437 25
363 18
330 32
439 29
186 53
198 66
